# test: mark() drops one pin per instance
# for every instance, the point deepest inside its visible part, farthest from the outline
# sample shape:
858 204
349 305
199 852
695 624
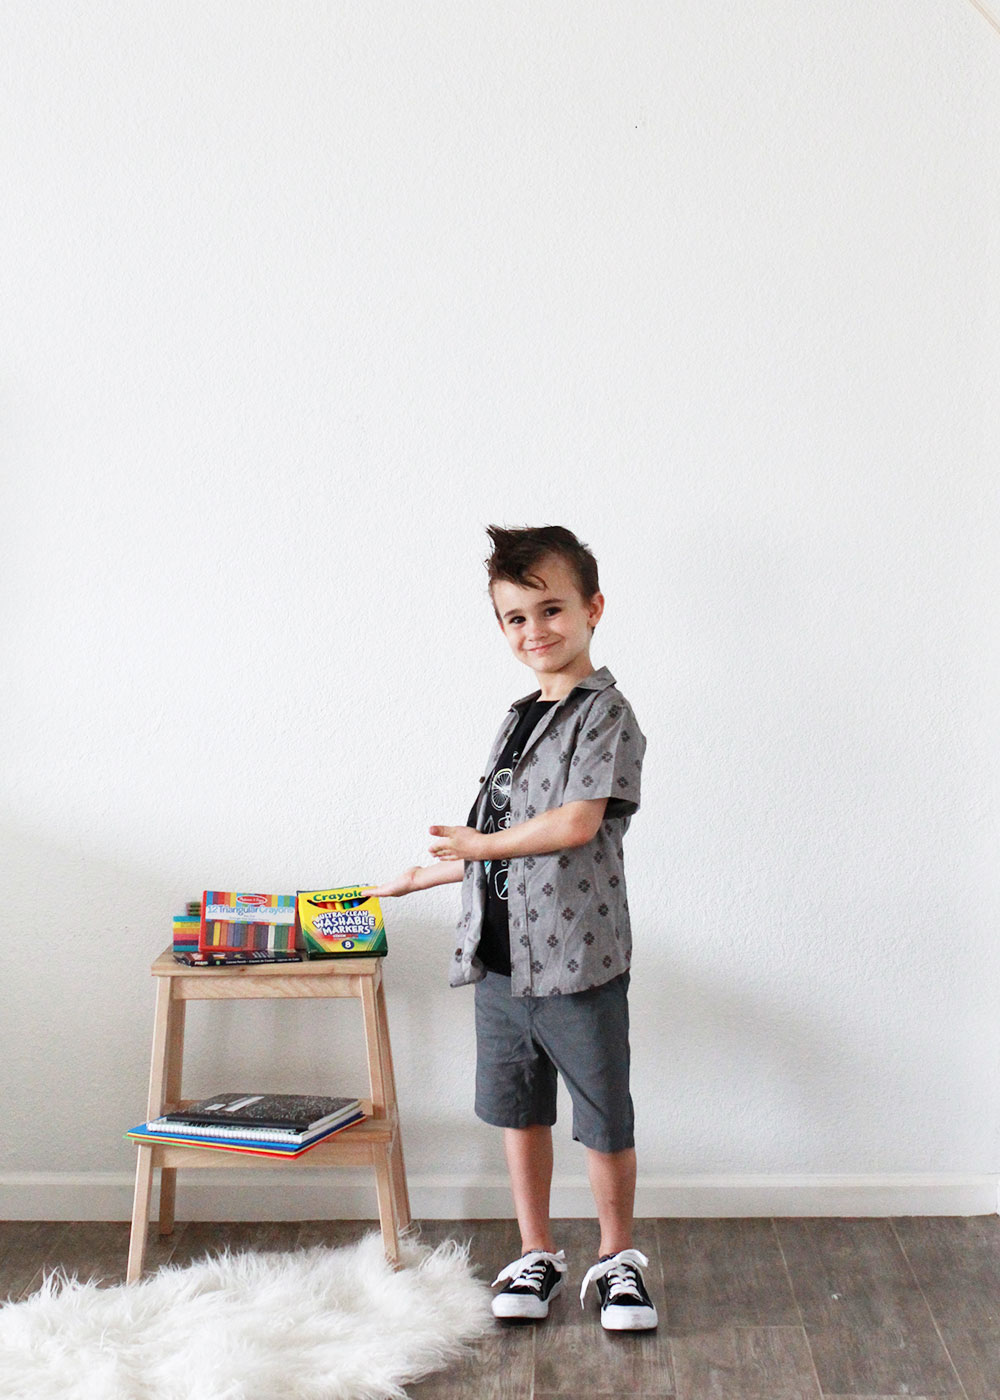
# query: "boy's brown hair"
516 553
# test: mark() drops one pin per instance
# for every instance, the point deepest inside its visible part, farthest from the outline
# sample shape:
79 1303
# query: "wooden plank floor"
786 1309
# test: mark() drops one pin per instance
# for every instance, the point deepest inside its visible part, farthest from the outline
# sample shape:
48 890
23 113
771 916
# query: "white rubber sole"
522 1307
625 1319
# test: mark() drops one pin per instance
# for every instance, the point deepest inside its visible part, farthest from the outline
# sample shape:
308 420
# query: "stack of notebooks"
268 1125
226 927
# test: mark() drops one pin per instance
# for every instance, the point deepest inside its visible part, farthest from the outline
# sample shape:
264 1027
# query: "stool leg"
168 1199
401 1195
154 1105
383 1084
171 1092
375 1046
386 1203
140 1214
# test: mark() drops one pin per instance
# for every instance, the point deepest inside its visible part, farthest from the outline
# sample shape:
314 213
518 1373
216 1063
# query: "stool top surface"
165 966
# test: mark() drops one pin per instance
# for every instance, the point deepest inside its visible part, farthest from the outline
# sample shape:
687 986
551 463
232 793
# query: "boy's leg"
529 1163
515 1085
612 1181
537 1276
586 1035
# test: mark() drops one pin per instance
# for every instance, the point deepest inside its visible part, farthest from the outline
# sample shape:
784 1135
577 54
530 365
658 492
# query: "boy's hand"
419 877
456 843
406 883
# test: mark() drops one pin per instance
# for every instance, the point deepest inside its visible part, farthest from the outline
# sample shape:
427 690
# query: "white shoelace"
530 1269
619 1278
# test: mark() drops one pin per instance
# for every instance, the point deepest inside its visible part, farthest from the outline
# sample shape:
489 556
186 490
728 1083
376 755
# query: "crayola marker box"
341 923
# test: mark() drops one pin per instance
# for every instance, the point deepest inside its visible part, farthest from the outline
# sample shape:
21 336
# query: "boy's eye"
516 621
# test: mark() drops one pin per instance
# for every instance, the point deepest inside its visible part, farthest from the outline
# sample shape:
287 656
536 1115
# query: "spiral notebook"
256 1141
284 1113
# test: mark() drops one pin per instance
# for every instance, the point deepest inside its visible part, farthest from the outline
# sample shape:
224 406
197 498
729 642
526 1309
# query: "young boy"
544 933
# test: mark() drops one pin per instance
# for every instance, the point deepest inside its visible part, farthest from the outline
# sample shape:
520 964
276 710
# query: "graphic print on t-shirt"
500 788
500 802
494 944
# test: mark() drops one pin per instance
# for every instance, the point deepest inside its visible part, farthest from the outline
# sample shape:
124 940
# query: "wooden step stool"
374 1142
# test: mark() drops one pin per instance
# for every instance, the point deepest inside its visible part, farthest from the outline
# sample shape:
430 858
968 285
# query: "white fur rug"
317 1324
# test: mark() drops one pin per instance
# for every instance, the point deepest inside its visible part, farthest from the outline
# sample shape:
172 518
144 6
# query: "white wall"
297 298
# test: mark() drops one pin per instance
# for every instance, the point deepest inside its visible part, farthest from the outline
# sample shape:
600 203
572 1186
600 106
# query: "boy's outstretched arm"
419 877
572 824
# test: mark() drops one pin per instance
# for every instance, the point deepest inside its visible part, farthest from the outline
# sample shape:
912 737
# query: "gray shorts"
522 1041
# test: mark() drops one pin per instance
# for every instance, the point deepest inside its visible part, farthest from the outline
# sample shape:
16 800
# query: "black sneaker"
625 1304
535 1279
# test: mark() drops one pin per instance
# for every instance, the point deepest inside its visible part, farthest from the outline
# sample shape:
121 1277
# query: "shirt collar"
597 680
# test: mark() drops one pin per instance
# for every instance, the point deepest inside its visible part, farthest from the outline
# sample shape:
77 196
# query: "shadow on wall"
709 1049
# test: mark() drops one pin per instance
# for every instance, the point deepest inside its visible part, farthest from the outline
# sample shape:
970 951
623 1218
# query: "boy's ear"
596 606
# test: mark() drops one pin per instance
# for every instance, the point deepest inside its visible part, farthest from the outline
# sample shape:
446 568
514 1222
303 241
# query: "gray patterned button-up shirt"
568 910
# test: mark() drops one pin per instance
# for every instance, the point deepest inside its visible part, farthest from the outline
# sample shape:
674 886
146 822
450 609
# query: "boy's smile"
549 627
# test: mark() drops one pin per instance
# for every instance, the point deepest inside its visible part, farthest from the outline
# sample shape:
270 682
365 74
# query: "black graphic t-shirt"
494 942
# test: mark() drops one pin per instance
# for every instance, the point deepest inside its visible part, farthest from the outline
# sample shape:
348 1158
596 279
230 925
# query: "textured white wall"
296 299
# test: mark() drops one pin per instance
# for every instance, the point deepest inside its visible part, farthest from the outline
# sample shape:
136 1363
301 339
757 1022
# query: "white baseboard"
350 1195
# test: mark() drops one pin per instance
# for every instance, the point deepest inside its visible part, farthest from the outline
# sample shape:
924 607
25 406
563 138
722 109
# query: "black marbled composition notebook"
292 1112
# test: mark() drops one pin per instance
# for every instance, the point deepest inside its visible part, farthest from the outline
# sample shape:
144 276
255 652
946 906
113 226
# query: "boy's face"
549 628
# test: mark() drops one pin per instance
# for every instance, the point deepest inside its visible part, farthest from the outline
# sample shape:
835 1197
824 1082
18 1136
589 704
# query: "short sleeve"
607 759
